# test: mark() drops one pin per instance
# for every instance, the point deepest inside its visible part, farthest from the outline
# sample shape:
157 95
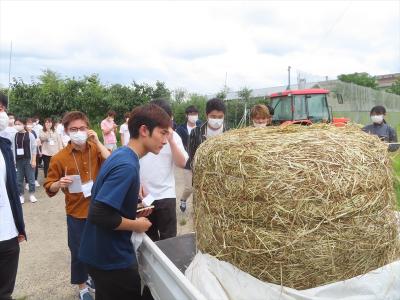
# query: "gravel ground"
44 266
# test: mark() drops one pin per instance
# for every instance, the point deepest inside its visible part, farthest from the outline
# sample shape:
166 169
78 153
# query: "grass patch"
182 222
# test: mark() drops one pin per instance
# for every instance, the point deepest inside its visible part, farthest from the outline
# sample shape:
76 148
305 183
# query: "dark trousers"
25 170
118 284
75 227
38 161
46 163
163 219
9 255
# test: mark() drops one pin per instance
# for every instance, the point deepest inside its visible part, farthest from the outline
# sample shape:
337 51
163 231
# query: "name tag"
51 142
20 151
87 188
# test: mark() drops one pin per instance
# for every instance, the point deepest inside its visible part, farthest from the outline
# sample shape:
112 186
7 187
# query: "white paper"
76 185
87 188
148 200
20 151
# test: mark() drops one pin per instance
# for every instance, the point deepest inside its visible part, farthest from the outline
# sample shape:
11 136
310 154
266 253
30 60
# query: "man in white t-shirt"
157 179
124 131
12 228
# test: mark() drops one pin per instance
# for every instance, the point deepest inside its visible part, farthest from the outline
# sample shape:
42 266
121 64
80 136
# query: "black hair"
191 109
151 116
164 105
22 120
11 115
3 100
215 104
271 109
378 110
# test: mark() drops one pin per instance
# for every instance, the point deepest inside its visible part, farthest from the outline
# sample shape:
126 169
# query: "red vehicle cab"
304 107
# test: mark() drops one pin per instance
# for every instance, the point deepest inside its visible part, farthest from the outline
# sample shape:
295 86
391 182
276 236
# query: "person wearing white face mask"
73 170
215 112
184 130
12 227
381 129
10 130
24 149
30 124
259 115
51 143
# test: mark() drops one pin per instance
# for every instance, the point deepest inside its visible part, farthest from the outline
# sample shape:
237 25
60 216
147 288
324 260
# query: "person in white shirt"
12 227
37 127
61 132
10 131
124 131
157 179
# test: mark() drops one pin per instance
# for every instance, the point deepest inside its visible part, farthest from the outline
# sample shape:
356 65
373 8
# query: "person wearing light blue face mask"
379 127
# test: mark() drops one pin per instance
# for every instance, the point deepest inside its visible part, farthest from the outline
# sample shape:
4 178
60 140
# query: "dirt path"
44 266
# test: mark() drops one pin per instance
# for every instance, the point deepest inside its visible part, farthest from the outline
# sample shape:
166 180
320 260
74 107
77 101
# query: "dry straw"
298 206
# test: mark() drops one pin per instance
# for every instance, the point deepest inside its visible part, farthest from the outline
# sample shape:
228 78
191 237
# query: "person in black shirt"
24 149
184 130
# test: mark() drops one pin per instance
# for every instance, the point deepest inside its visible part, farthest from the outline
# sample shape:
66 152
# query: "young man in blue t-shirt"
106 245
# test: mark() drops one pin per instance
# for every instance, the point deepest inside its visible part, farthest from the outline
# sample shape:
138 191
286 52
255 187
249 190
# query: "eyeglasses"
76 129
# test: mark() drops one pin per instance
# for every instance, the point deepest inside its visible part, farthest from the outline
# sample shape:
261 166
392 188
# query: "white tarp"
219 280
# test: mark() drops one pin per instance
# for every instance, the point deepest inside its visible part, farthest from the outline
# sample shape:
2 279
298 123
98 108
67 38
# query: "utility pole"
9 76
226 76
288 87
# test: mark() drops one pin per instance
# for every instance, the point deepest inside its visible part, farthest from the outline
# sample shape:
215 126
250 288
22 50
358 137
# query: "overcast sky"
193 45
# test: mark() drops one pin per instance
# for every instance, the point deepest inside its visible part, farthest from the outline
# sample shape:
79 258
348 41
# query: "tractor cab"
301 107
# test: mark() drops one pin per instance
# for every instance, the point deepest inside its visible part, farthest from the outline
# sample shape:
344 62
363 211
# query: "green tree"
51 95
395 88
161 91
245 94
222 94
179 95
363 79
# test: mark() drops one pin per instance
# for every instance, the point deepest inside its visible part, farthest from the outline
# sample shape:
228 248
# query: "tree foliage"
52 95
245 94
395 88
363 79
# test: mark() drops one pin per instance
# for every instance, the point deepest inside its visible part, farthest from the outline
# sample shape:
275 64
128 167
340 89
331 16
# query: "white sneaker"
27 186
32 198
22 199
37 183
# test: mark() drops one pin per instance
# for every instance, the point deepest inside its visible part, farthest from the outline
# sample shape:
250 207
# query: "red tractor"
304 107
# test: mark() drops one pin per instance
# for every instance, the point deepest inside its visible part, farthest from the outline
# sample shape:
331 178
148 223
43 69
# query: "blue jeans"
24 169
75 227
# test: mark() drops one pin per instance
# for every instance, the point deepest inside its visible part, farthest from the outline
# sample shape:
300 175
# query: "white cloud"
193 44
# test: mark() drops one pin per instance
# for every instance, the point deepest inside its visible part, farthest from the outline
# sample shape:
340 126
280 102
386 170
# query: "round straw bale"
298 206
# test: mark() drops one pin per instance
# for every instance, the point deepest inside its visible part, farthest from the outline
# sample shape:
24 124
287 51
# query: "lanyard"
90 165
16 141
